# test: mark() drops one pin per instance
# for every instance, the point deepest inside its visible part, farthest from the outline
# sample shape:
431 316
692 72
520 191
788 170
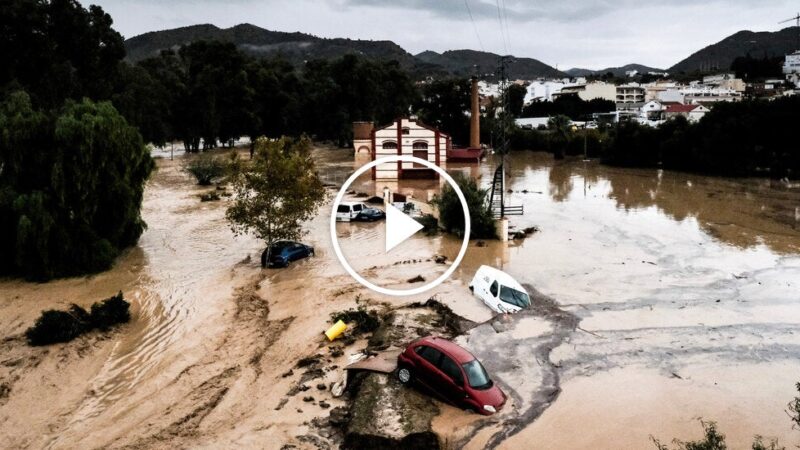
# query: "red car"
451 372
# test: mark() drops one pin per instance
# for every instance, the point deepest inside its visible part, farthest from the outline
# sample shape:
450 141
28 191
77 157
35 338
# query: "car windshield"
476 375
514 297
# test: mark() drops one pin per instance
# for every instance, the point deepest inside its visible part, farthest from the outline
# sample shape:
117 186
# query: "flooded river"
673 297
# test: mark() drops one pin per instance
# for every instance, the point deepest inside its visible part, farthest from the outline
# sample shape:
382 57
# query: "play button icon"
399 227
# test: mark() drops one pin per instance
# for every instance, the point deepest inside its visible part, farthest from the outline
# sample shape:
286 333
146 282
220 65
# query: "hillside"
298 47
255 41
617 71
469 62
719 56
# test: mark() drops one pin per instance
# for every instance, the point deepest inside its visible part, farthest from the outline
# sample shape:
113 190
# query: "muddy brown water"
683 289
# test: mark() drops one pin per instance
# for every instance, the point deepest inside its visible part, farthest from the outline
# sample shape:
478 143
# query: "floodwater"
662 297
687 292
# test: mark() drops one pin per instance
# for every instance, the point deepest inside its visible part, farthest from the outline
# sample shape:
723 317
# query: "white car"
499 291
348 211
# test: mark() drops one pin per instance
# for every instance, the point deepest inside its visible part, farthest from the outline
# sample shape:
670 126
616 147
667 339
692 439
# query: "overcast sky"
565 33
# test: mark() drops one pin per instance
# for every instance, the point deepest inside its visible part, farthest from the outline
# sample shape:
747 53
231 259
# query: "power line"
505 19
474 25
500 21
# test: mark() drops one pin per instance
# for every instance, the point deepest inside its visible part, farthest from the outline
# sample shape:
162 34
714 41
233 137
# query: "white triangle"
399 227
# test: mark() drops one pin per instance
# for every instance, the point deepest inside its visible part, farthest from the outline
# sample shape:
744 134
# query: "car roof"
501 277
455 351
351 203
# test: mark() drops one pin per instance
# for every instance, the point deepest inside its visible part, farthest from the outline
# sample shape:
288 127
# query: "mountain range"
719 56
617 71
298 47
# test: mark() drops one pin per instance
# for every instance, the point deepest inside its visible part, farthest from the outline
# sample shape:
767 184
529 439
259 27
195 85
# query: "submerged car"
450 372
499 291
347 211
281 253
370 215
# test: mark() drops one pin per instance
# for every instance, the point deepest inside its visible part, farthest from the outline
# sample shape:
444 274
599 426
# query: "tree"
444 104
57 50
276 192
71 187
516 98
451 214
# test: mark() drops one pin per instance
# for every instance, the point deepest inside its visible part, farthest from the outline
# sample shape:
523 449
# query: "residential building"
693 113
629 93
697 93
652 110
409 137
543 91
590 91
725 81
765 89
791 68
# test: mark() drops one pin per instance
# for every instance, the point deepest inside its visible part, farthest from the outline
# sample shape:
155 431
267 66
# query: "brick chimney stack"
475 117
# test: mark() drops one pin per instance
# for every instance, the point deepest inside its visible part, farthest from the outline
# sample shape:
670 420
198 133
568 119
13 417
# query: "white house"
408 137
590 91
692 112
652 110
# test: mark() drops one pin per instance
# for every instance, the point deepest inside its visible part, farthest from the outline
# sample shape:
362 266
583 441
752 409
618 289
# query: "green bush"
206 168
63 326
451 215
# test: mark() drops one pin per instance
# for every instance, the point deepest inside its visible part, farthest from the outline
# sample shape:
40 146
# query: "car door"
452 380
427 369
298 251
356 210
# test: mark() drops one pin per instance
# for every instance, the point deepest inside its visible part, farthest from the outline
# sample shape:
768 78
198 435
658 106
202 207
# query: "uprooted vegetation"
55 326
365 321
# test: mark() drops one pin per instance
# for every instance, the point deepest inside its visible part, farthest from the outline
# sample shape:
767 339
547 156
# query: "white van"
498 290
348 211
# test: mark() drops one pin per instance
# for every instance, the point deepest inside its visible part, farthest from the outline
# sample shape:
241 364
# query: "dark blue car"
281 253
370 215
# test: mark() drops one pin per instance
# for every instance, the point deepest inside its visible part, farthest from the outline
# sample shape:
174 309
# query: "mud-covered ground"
659 298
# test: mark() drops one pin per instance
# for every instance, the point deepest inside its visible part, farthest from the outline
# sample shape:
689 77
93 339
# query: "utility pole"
503 131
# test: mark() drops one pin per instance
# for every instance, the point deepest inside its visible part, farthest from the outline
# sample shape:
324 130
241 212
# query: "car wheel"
405 375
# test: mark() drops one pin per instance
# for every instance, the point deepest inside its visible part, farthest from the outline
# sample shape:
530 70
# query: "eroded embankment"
514 348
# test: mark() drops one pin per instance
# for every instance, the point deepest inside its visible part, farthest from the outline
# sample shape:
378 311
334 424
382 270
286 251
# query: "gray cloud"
530 10
585 33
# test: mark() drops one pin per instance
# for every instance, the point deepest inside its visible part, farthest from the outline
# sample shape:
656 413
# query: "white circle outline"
400 292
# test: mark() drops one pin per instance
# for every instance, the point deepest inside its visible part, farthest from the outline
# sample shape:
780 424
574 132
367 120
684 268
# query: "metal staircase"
497 197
